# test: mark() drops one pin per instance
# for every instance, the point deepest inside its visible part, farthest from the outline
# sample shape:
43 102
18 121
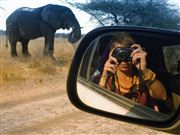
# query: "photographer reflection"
126 73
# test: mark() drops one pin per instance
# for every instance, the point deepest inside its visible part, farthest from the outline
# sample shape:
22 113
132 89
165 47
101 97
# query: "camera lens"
122 54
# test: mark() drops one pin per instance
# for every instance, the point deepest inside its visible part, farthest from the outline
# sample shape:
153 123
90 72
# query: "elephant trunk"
75 35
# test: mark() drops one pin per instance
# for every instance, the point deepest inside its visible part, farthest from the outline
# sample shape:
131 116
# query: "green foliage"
152 13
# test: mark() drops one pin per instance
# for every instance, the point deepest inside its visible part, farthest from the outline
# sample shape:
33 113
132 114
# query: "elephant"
27 23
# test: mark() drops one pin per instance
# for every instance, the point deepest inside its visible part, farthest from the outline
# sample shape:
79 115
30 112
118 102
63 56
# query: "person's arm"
156 88
103 80
110 67
158 91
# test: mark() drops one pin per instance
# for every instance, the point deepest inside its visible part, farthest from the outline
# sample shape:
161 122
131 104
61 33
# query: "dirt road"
42 108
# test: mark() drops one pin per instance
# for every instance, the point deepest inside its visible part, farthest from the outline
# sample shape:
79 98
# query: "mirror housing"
172 124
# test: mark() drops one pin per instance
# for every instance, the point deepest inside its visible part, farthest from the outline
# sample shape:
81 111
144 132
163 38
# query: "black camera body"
122 54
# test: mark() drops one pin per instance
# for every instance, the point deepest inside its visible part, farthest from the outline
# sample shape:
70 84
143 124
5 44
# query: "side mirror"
84 91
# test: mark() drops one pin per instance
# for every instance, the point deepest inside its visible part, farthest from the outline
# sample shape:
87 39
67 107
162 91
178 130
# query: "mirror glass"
136 74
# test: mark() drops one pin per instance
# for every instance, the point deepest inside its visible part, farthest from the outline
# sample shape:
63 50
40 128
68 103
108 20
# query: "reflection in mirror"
131 74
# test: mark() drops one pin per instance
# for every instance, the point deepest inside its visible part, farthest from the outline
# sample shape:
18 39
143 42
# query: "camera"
122 54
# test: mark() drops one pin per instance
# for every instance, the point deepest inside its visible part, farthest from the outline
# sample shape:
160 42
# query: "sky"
84 19
11 5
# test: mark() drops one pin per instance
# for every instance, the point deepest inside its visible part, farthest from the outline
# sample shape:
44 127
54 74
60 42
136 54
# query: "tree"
152 13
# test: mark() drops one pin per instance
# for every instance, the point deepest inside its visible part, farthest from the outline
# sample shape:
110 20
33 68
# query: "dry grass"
21 68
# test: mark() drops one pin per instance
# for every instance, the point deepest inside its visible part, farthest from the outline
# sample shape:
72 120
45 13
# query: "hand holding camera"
134 54
139 57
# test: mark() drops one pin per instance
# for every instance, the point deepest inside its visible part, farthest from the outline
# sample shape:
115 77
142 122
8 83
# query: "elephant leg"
49 39
49 47
13 49
49 44
25 47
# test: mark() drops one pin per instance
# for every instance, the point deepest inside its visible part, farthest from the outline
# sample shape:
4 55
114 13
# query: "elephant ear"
50 17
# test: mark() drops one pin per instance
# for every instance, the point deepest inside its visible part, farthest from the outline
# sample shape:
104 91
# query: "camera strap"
112 84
